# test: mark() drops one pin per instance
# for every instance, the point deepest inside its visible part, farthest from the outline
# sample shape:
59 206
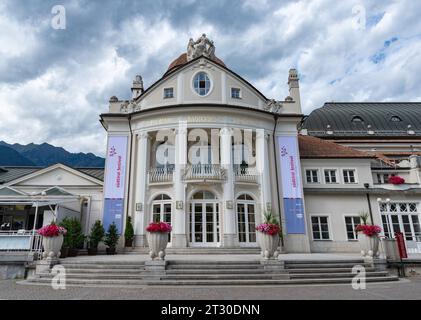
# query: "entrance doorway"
161 210
246 220
204 220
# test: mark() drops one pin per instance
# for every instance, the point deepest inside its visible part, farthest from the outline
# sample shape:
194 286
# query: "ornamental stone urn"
157 242
369 245
52 246
269 245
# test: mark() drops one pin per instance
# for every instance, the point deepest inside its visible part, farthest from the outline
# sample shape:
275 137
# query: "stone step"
214 262
336 275
270 282
215 271
353 261
102 266
115 271
228 276
215 266
196 251
325 270
103 262
115 276
214 282
323 265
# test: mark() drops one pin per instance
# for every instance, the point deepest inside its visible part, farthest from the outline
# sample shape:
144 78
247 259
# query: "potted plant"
129 232
368 236
52 240
95 237
396 180
157 237
111 238
268 235
74 235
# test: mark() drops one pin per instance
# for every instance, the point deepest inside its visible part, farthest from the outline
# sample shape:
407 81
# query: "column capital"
143 135
180 130
260 134
226 131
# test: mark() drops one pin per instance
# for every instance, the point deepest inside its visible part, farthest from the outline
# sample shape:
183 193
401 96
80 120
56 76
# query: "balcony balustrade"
245 174
204 172
161 174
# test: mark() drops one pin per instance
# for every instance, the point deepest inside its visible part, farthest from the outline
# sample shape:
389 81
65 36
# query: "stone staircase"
210 273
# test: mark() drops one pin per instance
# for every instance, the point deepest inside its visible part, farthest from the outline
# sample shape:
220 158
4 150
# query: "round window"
201 83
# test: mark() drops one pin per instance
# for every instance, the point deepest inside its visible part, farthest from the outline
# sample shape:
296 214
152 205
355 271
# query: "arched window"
246 219
357 119
161 210
201 83
201 195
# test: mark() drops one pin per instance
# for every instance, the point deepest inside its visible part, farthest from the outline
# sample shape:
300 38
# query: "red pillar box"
401 245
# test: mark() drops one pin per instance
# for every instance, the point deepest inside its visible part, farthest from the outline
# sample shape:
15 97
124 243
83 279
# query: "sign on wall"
115 181
291 185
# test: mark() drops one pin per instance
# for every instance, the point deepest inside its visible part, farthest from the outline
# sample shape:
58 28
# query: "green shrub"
96 235
74 237
129 232
112 236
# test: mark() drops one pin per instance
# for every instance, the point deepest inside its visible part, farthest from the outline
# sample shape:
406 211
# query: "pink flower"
159 227
268 228
396 180
368 230
52 230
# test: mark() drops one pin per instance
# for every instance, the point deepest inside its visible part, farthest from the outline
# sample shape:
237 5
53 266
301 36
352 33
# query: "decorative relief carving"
273 106
202 46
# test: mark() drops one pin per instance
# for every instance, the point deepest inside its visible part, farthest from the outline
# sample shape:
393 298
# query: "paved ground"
403 290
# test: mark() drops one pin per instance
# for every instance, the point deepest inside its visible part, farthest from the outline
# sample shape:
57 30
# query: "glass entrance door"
204 223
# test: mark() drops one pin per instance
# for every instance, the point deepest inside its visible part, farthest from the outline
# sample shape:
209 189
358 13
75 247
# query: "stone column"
228 210
262 167
179 234
140 185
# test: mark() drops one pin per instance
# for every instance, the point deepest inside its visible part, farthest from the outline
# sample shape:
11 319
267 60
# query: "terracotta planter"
72 252
269 245
157 242
369 245
92 251
128 243
64 252
52 246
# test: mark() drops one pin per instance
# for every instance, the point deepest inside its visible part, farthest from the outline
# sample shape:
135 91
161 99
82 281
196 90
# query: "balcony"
204 172
245 174
161 174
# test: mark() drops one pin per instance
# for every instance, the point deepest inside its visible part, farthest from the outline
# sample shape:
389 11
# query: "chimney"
137 88
294 87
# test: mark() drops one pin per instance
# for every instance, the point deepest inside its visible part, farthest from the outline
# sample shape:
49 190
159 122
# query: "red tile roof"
182 60
315 148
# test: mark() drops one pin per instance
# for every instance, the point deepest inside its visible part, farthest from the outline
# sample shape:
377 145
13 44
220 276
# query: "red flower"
396 180
268 228
52 230
159 227
368 230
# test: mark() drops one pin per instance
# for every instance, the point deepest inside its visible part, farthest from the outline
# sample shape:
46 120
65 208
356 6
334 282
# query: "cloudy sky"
55 82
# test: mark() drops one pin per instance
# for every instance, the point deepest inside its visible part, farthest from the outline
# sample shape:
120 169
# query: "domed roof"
182 60
356 119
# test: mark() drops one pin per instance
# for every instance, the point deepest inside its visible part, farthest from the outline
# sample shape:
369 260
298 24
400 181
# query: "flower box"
396 180
368 237
52 240
268 238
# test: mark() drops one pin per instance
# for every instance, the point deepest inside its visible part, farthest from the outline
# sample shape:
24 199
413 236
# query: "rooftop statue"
202 46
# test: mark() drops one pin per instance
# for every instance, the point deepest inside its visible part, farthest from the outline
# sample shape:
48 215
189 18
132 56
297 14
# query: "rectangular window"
312 176
349 176
330 176
168 93
235 93
320 228
350 223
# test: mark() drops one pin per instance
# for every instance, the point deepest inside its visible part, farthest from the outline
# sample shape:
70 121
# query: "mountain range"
45 155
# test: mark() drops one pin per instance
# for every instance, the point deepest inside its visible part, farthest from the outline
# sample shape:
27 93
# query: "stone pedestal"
155 268
45 265
273 265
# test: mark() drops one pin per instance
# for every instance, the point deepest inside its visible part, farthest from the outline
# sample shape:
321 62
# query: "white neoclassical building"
201 149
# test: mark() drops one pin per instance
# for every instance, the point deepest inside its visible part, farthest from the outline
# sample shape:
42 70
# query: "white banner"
116 167
290 167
